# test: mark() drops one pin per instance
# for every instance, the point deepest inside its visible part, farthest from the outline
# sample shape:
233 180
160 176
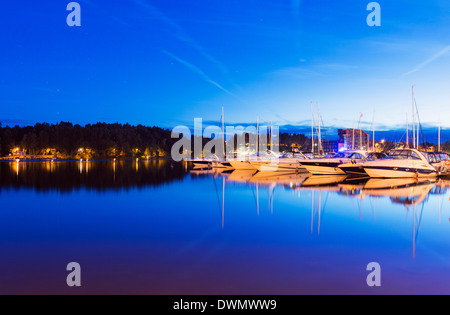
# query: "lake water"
156 227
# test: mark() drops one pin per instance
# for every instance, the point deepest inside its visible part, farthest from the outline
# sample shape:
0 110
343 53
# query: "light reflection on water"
156 227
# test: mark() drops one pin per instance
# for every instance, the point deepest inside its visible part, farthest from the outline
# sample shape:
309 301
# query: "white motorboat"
405 163
355 168
330 166
207 162
440 161
272 162
243 165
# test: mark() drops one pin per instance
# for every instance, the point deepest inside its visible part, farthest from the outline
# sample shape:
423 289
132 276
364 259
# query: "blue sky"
166 62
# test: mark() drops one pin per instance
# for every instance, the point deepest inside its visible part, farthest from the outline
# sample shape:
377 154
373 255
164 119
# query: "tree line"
97 140
103 140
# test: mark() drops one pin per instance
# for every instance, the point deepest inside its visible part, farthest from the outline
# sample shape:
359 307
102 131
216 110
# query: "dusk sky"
167 62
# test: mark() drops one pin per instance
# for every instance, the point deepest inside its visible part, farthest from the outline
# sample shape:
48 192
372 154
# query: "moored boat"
272 162
404 163
355 168
330 166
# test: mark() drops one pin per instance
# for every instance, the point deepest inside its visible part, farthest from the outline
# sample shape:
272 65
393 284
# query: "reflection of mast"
272 187
315 209
257 198
414 231
320 210
312 211
223 134
223 203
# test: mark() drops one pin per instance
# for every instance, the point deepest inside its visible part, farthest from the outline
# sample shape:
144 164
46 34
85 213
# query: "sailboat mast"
223 134
407 131
439 136
360 132
320 135
373 127
257 135
413 120
418 126
270 135
353 137
312 129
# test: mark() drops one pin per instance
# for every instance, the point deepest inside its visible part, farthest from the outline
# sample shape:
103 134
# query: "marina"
226 156
240 232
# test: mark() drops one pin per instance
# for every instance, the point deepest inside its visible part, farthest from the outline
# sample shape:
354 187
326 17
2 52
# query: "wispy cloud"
308 71
178 32
428 61
197 70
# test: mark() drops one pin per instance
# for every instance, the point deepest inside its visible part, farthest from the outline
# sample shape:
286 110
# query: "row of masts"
416 128
316 129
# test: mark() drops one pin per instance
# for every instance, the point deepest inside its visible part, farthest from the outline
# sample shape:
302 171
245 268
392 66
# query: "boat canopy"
357 155
405 155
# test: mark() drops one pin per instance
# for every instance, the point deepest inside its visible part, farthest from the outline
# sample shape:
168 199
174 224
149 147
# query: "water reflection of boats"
287 179
405 191
210 171
243 176
325 181
352 187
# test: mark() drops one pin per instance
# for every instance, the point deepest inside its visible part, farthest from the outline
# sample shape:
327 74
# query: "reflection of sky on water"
173 235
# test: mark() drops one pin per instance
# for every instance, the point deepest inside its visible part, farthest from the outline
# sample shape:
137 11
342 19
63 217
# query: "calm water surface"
156 227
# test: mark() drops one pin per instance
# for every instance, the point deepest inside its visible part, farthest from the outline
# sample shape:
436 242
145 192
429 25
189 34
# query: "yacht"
355 168
401 163
330 165
272 162
440 161
222 164
243 164
206 162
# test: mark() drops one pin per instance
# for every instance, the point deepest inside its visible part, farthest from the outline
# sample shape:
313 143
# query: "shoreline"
79 159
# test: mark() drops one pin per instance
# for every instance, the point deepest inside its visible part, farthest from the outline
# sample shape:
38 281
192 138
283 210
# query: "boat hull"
242 165
202 164
224 165
323 168
277 166
353 170
398 172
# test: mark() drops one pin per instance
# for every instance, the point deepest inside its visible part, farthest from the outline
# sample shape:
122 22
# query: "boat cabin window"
403 155
287 156
441 157
342 155
357 156
431 157
375 156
